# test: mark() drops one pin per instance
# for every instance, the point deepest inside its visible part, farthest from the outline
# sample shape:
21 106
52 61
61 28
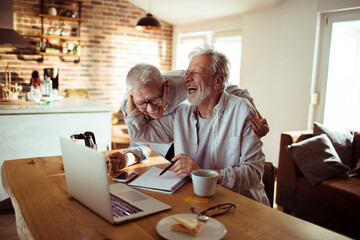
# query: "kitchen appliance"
53 75
87 137
8 36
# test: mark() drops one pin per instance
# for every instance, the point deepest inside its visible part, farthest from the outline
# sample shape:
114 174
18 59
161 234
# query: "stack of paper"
166 183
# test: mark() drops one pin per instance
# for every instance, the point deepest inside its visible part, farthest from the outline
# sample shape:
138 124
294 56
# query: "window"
342 103
231 47
227 42
186 45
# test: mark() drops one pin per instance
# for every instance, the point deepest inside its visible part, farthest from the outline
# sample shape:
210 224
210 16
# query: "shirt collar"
219 108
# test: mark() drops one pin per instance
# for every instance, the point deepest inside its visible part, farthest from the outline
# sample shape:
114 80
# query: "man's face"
149 100
198 80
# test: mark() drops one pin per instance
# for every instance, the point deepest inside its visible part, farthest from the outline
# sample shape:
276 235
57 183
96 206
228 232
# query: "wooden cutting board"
16 102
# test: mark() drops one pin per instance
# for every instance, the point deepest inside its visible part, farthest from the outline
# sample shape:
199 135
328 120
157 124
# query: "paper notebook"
166 183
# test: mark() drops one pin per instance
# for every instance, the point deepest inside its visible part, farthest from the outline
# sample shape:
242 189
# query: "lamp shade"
148 23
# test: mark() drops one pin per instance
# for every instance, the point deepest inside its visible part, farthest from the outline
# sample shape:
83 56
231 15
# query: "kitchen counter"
29 131
66 105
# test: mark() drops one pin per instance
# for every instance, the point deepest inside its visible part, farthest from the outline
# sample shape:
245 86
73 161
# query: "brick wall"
111 48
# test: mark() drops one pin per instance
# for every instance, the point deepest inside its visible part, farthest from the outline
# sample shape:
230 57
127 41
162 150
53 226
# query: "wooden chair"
77 93
269 181
119 132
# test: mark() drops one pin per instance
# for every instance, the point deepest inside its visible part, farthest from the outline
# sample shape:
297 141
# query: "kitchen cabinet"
29 131
62 37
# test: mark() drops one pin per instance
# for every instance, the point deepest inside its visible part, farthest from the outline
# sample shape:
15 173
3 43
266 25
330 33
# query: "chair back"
77 93
269 181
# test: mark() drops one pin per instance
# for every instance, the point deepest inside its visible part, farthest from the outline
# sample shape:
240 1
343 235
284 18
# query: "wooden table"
44 209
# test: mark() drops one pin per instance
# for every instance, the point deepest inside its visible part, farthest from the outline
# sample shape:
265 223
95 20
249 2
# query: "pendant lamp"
149 22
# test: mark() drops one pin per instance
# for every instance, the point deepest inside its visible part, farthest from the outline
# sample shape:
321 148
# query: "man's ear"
166 89
219 81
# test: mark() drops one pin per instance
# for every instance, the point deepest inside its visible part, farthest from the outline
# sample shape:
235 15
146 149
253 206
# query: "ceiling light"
149 22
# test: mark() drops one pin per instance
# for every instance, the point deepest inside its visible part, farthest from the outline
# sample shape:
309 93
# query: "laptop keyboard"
122 208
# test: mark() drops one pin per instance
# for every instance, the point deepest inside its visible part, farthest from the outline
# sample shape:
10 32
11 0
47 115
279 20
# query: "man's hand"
184 165
260 126
118 161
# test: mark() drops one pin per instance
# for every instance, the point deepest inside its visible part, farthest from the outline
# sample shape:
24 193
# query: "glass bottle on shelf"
46 87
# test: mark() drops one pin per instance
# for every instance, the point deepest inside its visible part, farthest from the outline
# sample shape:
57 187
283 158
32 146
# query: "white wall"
279 53
277 60
278 46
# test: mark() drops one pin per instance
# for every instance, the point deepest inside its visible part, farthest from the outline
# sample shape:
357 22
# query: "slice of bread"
187 222
188 225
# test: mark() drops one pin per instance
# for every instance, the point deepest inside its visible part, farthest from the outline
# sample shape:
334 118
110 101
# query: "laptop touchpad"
132 196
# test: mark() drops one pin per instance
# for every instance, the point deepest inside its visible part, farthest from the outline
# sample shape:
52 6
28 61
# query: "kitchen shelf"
63 37
75 1
59 54
63 18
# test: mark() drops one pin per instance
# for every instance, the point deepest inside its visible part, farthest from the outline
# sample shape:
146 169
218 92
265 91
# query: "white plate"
212 229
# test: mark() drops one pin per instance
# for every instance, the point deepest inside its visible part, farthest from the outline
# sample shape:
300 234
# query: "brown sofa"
333 203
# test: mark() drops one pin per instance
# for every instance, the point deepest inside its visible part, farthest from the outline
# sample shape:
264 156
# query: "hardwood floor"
8 225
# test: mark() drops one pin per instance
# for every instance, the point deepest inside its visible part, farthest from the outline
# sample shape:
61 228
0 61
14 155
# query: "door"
338 82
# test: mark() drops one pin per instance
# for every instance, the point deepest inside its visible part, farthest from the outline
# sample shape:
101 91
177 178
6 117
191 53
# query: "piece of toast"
188 225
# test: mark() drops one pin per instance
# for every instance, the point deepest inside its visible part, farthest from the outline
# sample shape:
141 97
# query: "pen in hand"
167 168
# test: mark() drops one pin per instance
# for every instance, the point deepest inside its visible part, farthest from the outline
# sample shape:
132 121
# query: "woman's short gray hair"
143 74
220 63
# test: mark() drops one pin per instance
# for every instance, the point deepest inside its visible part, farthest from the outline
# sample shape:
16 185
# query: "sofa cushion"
356 150
355 168
342 141
317 159
339 192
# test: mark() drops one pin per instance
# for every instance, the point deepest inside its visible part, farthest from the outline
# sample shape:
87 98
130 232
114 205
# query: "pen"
167 168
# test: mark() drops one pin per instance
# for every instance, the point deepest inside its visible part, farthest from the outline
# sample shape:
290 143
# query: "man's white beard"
200 96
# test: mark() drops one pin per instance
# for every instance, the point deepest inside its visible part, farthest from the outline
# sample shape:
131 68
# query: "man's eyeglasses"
154 101
218 210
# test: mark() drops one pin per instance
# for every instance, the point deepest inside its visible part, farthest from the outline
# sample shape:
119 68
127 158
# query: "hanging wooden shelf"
62 18
57 38
75 1
59 54
63 37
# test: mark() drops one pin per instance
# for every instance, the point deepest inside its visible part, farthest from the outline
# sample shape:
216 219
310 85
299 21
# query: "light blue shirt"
235 149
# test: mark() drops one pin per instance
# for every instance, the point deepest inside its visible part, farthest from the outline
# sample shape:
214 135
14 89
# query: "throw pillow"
355 172
317 159
342 141
356 151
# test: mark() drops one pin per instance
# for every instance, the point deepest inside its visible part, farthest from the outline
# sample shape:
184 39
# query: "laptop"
87 182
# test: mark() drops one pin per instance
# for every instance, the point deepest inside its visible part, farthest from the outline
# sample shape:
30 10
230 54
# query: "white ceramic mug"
204 182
